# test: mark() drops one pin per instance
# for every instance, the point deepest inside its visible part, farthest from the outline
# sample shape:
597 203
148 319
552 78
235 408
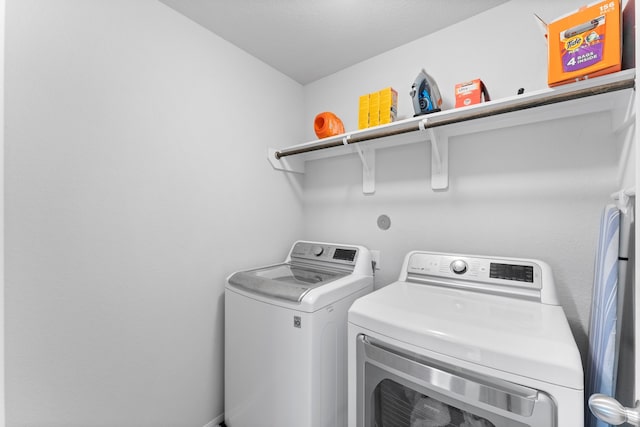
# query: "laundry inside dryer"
403 406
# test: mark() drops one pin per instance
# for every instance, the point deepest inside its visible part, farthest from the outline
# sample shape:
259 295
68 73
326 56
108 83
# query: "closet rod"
444 119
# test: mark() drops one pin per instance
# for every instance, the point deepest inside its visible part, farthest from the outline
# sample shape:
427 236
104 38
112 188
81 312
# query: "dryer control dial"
317 250
459 266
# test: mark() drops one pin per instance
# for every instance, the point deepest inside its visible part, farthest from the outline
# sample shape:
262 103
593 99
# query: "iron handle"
610 411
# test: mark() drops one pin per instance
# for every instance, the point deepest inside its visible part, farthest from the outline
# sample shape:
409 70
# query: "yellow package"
374 109
363 112
388 105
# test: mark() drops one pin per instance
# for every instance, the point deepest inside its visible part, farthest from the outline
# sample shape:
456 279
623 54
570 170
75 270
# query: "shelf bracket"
286 164
368 159
439 157
629 115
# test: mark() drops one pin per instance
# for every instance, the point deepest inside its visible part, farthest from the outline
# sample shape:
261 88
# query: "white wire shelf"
612 92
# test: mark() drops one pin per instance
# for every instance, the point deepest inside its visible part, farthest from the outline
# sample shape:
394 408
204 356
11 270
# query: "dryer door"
399 389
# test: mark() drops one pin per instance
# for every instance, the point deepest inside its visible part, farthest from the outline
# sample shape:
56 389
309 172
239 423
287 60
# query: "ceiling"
308 40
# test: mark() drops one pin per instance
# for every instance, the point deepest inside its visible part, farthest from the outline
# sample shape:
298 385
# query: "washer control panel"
311 251
494 275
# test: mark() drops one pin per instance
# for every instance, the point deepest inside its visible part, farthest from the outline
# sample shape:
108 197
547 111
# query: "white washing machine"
286 337
464 341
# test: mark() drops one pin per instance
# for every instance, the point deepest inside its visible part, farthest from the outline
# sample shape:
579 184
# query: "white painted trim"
636 305
2 41
217 420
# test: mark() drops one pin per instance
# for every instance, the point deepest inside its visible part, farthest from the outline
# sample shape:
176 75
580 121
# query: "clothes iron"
425 95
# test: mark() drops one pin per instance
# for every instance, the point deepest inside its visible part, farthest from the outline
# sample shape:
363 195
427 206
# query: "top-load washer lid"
300 279
284 281
486 311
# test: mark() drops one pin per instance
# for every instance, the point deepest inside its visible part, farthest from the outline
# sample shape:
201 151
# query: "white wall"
519 192
136 180
2 309
134 185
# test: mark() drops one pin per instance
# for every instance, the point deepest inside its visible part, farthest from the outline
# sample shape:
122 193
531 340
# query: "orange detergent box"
472 92
585 43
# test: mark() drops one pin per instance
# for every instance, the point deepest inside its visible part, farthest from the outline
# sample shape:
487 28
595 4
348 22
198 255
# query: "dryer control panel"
520 278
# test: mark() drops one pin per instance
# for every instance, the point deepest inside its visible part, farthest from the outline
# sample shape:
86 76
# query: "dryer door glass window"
396 388
398 405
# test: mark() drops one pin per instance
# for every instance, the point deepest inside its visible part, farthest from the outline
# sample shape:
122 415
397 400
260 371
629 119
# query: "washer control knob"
459 266
317 250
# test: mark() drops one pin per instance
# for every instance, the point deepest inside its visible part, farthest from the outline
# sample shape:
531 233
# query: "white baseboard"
215 422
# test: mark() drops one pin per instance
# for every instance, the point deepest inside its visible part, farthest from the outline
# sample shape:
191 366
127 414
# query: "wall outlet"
375 257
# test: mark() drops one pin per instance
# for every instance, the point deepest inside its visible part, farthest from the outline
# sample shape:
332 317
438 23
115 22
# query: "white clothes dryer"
464 341
286 337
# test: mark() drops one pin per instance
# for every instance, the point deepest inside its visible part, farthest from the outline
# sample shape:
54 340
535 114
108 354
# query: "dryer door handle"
610 411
